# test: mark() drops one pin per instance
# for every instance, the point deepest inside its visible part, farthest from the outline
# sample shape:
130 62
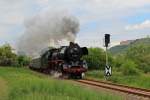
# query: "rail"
117 87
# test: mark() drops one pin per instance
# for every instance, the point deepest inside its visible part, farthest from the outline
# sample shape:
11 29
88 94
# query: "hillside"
122 48
23 84
118 49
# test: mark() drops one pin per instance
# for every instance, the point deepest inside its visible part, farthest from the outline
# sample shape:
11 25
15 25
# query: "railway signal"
107 67
107 40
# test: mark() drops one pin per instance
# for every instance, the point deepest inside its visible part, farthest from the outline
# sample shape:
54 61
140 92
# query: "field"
23 84
142 81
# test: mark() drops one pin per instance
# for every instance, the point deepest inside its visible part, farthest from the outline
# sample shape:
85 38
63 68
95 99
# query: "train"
67 61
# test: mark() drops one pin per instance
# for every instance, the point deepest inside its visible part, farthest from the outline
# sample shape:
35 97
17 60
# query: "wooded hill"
123 48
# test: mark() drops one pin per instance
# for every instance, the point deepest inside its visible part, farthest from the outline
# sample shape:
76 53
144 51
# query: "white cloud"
143 25
120 3
3 35
114 43
108 13
11 12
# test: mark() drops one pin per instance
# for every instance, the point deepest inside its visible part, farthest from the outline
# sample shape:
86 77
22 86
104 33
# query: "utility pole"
107 67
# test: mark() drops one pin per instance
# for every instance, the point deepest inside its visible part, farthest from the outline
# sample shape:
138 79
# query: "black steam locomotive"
65 60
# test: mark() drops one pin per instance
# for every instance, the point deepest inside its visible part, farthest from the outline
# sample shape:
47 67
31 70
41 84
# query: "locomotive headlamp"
69 66
64 66
84 64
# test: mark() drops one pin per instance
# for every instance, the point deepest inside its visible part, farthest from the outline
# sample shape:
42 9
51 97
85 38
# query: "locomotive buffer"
108 71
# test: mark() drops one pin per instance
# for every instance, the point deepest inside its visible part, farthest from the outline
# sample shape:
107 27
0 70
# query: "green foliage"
23 60
129 68
95 58
140 54
26 85
7 57
95 74
120 49
118 61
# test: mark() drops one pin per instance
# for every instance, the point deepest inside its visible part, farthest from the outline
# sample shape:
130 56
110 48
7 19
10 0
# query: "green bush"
23 60
140 54
129 68
118 61
7 57
145 67
96 58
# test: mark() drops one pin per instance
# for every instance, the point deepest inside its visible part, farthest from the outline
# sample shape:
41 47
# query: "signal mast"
108 71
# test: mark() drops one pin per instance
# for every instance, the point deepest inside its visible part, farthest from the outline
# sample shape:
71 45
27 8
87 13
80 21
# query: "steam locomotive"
66 60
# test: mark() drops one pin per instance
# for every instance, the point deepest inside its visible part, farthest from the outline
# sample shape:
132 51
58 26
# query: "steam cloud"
47 27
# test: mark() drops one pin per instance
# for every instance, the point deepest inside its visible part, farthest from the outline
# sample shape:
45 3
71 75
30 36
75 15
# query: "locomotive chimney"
71 43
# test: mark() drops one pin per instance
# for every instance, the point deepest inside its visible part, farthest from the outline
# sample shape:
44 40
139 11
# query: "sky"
123 19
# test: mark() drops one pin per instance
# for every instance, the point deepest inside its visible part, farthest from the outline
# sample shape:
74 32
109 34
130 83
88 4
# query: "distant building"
126 42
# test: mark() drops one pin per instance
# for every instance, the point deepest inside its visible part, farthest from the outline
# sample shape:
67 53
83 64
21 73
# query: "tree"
96 58
7 57
129 68
23 60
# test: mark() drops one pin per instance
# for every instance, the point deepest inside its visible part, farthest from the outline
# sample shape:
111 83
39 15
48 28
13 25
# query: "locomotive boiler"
66 60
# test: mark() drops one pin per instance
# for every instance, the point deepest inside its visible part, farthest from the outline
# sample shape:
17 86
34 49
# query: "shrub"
140 54
145 67
7 57
118 61
96 58
23 60
129 68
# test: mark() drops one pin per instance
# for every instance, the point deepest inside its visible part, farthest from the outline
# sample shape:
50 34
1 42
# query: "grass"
142 81
23 84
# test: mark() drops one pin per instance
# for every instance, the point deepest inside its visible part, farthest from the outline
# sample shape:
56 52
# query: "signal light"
107 39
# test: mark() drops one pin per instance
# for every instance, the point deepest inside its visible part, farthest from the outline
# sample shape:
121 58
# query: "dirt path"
3 90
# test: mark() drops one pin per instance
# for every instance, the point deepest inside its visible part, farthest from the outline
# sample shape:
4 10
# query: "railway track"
121 88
